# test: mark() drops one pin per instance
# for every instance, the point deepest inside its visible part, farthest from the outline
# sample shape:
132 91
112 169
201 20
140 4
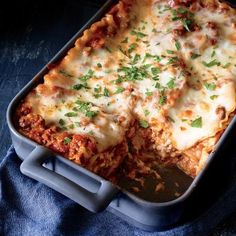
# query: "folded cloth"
28 207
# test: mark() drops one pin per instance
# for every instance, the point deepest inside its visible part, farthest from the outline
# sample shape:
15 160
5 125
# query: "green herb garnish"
132 47
170 51
106 92
177 45
146 112
119 90
148 93
155 70
62 122
197 123
211 63
144 124
212 97
194 56
80 86
171 84
85 108
136 58
65 73
162 99
210 86
226 65
67 140
71 114
138 34
89 75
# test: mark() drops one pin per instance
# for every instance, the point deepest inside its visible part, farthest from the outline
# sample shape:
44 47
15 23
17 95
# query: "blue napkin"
28 207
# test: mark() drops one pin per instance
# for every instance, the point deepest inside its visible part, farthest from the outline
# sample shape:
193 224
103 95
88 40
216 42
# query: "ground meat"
174 3
221 112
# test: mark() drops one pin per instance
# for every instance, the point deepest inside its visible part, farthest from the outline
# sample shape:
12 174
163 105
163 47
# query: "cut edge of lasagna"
151 82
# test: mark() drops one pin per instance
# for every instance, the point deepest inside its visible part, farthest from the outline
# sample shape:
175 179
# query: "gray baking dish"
91 191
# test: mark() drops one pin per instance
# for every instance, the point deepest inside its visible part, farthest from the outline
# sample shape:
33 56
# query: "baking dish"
86 188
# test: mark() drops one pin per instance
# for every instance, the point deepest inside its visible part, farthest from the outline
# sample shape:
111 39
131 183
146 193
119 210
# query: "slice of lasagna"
152 82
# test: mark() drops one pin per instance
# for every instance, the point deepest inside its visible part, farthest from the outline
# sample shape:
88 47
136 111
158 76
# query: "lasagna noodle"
168 66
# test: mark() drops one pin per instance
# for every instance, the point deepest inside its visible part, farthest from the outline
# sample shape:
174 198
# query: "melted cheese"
138 75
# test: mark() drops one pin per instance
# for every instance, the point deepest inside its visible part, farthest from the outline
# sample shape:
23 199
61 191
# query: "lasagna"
152 82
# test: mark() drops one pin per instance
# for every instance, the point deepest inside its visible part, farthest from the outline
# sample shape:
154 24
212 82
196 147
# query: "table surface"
31 32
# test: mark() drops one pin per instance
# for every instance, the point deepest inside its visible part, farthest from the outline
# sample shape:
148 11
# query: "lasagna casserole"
152 82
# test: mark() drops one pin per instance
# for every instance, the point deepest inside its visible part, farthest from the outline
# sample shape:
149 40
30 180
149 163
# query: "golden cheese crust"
151 76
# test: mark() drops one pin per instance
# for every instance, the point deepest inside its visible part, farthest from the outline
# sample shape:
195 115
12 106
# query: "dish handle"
33 167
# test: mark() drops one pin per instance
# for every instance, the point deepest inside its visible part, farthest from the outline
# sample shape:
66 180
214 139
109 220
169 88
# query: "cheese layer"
173 65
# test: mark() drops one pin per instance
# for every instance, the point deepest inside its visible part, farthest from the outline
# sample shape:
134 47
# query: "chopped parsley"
187 23
80 86
211 63
77 124
118 81
134 73
148 93
65 73
197 123
143 124
185 16
132 47
106 92
173 60
62 122
171 83
99 65
212 97
67 140
194 56
213 53
119 90
226 65
123 52
71 126
89 75
98 91
91 114
91 132
138 34
158 86
177 45
146 112
155 70
85 108
162 99
70 114
136 58
210 86
170 51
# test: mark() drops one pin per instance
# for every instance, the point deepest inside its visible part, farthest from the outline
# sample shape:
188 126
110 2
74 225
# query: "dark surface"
31 32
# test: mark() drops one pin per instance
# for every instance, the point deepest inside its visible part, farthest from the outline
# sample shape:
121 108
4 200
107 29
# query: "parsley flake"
71 114
67 140
144 124
177 45
211 63
210 86
119 90
197 123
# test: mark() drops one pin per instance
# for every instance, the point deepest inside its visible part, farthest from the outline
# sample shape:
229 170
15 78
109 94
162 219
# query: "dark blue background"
31 32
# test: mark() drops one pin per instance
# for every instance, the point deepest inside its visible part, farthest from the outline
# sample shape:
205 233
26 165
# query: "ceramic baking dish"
91 191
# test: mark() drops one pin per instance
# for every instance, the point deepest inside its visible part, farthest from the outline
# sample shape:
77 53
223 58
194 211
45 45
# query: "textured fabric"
29 208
